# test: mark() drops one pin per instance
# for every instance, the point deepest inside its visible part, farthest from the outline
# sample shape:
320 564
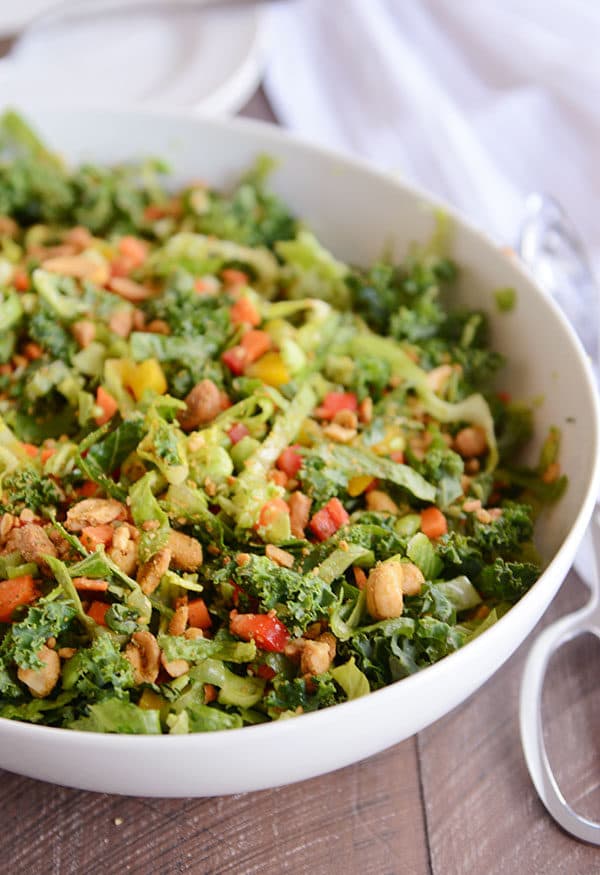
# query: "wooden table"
455 800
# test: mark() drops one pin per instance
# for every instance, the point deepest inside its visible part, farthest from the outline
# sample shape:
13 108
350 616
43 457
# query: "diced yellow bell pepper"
271 369
147 375
357 485
151 701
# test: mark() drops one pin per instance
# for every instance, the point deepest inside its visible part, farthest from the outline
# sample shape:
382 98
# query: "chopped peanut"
279 556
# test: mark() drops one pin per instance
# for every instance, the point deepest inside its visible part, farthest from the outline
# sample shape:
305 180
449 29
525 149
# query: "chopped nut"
179 620
346 418
84 332
186 552
192 633
412 579
471 505
126 557
31 542
94 512
128 289
437 378
315 657
78 266
242 559
278 556
143 653
483 516
66 652
203 403
339 434
381 502
158 326
79 237
150 573
121 322
41 681
470 441
7 522
176 667
365 410
299 505
384 591
472 466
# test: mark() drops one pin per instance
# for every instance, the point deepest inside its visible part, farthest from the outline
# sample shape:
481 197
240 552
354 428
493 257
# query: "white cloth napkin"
479 102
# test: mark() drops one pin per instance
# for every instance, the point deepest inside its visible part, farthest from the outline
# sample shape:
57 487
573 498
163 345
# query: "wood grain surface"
456 800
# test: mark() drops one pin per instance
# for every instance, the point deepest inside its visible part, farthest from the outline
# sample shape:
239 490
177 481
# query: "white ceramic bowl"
355 211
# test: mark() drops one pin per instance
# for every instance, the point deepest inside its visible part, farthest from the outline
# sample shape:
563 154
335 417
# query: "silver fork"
551 248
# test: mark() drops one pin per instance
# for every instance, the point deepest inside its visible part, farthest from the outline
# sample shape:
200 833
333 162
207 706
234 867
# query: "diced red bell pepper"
290 460
235 359
237 431
265 630
266 672
328 520
336 401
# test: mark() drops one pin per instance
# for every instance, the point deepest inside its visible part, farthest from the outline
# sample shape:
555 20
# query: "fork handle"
532 735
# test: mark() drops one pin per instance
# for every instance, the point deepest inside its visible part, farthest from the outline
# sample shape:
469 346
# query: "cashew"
299 505
143 653
179 620
31 542
176 667
41 681
84 332
380 501
151 571
470 441
384 591
438 377
203 403
121 322
339 434
278 556
126 558
365 410
346 418
412 579
186 552
315 658
193 633
329 639
128 289
94 512
78 266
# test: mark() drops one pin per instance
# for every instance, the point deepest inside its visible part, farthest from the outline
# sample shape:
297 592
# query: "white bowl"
355 211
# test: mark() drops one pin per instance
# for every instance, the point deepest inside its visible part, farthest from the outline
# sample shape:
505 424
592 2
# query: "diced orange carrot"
90 584
233 277
93 536
210 693
46 453
255 343
33 351
360 577
21 280
14 593
271 510
87 489
433 522
198 615
107 403
30 449
244 311
97 611
134 249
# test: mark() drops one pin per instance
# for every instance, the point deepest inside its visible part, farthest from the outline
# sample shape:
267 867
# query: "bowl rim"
273 133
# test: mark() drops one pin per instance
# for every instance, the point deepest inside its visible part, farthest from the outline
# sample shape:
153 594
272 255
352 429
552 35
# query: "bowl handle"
532 735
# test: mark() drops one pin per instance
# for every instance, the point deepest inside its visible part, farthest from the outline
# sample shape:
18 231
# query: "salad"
240 480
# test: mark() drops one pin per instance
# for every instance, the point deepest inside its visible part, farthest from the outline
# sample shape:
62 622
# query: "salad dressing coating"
240 480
